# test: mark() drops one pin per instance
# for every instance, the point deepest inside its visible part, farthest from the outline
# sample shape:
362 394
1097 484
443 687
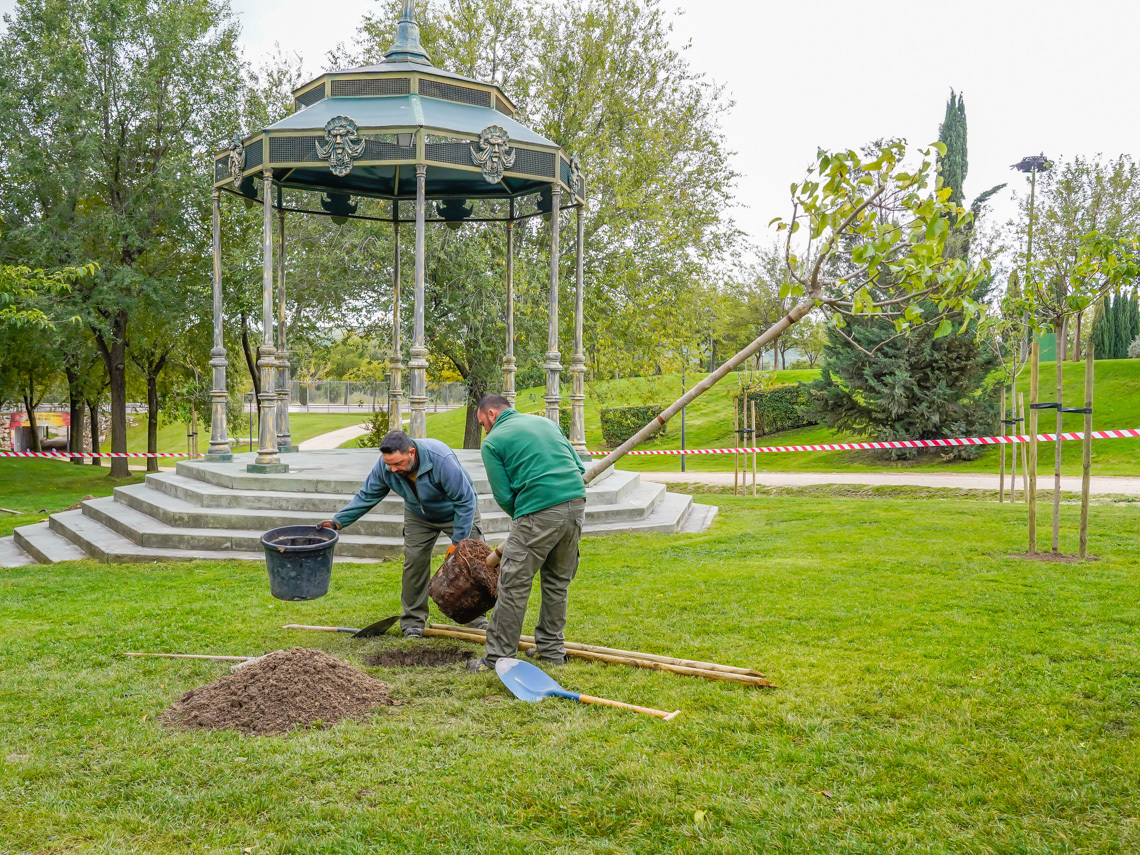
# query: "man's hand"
328 524
494 558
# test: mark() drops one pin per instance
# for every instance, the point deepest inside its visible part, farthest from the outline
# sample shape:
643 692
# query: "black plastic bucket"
299 559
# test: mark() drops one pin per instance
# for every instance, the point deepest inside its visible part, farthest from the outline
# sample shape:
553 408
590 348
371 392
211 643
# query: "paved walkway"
333 439
1103 484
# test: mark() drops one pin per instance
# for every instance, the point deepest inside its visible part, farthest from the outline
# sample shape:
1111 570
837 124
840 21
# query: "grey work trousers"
420 536
545 542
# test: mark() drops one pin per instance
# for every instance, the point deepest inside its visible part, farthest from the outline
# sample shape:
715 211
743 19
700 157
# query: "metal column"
578 360
418 362
509 357
553 396
284 371
268 459
219 429
395 362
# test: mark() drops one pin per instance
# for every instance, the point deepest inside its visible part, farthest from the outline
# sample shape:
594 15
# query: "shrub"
377 428
620 423
780 408
1134 348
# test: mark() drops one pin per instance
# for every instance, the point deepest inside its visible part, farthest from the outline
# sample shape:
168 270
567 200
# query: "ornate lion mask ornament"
237 160
495 154
342 145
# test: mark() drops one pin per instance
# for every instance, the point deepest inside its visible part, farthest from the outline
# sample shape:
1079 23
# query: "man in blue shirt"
439 498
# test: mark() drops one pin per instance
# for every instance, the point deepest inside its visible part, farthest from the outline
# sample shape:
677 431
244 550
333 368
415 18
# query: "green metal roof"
409 111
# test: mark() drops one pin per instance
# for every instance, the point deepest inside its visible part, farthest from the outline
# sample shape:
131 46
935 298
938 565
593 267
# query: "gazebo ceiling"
363 131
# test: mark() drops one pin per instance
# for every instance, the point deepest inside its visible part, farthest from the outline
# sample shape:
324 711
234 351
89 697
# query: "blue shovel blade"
529 683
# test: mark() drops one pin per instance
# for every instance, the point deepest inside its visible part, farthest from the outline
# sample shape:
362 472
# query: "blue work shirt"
443 491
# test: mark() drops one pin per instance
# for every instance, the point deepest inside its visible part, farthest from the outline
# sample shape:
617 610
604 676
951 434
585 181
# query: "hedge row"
780 408
620 423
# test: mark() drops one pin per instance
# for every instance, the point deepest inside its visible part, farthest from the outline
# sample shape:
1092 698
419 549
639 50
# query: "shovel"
529 683
370 631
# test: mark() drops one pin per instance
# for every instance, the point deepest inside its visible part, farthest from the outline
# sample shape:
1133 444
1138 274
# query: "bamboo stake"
1001 449
1034 358
1061 345
752 436
1086 450
1025 452
692 667
735 457
1013 451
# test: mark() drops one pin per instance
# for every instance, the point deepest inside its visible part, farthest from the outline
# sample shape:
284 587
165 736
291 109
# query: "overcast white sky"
1058 77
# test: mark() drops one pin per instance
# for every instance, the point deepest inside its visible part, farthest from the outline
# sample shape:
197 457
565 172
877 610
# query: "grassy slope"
709 425
918 709
51 485
172 437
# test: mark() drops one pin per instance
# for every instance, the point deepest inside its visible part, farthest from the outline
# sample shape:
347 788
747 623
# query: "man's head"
399 452
489 409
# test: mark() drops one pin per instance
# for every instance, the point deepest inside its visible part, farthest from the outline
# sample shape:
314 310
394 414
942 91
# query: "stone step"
12 556
667 516
46 546
385 520
698 519
106 545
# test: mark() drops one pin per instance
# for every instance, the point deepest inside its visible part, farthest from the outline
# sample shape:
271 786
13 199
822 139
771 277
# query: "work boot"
480 622
479 666
533 656
414 632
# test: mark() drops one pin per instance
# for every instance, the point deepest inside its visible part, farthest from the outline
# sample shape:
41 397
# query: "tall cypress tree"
952 133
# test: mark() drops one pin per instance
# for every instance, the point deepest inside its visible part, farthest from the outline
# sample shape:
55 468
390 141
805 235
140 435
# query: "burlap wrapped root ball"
464 587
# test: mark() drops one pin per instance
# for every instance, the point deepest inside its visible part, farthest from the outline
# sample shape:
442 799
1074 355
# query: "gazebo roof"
362 131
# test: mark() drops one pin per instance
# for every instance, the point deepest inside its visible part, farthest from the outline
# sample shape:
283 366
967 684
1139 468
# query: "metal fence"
345 396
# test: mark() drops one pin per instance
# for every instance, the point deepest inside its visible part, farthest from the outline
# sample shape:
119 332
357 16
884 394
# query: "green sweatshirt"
530 464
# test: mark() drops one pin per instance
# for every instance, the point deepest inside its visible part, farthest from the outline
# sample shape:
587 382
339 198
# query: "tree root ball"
464 587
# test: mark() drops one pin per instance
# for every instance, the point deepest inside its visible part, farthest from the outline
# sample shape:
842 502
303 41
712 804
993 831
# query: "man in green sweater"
536 477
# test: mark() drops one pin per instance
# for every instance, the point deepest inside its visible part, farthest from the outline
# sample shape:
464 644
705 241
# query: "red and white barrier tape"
903 443
67 455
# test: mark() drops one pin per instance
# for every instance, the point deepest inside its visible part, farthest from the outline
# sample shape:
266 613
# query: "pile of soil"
464 587
279 692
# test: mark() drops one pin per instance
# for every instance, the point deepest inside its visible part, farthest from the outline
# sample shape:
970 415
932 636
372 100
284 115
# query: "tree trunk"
250 359
93 406
1077 339
30 406
152 417
476 389
114 350
75 408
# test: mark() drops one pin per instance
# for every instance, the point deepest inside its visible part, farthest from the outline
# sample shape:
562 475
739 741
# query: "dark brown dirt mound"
419 657
279 692
464 587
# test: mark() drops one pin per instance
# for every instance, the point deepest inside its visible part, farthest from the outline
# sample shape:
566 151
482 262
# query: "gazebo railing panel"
371 87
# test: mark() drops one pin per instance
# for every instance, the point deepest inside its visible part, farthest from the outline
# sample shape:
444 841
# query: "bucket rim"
329 538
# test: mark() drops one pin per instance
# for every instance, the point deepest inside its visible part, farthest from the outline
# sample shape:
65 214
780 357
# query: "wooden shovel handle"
590 699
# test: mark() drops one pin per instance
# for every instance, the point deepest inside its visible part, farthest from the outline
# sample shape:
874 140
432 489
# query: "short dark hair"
396 441
493 402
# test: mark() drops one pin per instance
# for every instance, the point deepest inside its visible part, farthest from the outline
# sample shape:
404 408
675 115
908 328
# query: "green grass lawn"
936 695
37 488
302 426
708 424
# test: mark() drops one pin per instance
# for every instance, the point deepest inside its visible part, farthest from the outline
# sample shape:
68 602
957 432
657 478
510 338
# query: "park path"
333 439
1104 484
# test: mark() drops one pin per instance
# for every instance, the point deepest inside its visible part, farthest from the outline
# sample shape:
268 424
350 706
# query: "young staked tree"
106 111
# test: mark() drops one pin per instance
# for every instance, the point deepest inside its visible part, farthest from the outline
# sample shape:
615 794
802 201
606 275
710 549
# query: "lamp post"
250 398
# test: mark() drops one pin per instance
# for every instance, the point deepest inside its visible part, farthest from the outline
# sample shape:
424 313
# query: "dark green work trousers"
420 536
546 543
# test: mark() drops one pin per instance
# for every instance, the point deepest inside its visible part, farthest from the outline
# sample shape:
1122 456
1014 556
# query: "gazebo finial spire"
406 47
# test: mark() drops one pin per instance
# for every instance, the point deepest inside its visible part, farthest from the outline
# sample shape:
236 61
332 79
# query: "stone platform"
219 511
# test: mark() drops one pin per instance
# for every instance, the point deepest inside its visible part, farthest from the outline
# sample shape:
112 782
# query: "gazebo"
402 131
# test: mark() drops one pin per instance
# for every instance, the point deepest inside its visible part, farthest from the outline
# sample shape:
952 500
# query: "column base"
288 449
217 458
267 468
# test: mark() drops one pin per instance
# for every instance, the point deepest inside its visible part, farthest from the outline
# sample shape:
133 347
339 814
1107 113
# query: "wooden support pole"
1061 340
1086 450
1016 449
1024 450
752 442
1001 449
736 442
1034 359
